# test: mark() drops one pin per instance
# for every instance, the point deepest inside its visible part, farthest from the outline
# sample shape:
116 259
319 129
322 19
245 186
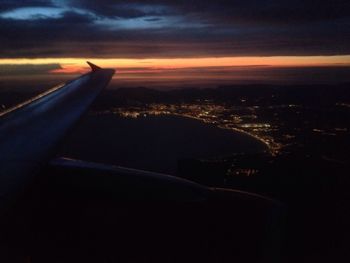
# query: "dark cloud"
6 5
27 69
126 9
278 12
176 28
248 11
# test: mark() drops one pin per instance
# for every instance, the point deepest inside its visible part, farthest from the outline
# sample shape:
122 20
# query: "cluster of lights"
208 112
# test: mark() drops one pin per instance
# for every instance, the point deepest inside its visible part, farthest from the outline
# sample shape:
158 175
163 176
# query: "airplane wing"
30 131
76 211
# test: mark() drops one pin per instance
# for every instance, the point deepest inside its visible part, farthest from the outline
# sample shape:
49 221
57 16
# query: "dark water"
153 143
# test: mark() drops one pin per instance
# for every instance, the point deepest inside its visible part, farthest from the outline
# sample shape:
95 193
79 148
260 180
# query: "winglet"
93 66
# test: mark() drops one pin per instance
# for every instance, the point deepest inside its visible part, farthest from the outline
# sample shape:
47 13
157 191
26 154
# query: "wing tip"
93 66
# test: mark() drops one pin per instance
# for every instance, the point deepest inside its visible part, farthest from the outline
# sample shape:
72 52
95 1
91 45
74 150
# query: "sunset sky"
148 40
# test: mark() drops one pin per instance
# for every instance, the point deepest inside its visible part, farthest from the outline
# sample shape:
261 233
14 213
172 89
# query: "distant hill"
262 94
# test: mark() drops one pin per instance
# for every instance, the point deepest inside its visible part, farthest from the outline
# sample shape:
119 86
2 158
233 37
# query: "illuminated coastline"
218 115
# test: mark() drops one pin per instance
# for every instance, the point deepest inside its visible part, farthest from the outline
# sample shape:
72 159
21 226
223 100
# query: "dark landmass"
307 129
154 143
309 172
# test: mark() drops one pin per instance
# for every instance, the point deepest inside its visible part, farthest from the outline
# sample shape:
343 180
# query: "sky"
178 41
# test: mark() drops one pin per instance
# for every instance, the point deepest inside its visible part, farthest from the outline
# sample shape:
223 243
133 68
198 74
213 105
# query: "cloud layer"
144 29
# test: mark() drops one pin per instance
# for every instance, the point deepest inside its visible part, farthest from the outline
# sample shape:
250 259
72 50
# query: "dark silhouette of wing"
30 131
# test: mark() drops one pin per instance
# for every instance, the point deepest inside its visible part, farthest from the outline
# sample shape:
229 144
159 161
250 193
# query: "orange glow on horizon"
189 62
127 65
